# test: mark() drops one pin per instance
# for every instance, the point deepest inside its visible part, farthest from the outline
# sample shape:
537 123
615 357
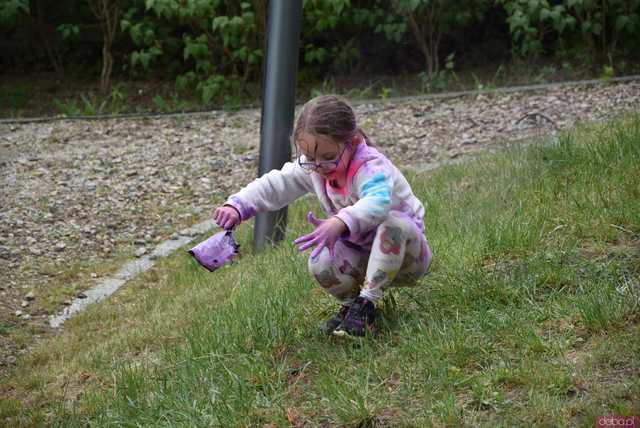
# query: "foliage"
439 80
205 42
90 104
592 26
69 32
85 106
320 19
14 97
430 20
214 48
172 103
10 9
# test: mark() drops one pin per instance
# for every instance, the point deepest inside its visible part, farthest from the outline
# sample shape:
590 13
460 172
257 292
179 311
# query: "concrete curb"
129 271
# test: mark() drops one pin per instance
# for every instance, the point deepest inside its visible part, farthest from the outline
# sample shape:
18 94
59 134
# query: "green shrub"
584 26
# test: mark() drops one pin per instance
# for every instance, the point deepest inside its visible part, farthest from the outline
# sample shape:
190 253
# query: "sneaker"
330 325
359 319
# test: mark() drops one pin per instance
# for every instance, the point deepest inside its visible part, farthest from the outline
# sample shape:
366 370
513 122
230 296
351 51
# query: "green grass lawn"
529 317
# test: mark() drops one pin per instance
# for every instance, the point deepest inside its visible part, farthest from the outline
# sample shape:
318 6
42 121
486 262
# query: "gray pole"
278 105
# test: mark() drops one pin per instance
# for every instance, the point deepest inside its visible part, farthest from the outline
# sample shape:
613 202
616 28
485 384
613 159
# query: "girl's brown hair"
328 115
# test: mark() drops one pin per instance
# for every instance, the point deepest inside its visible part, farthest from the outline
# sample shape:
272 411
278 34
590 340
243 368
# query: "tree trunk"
428 37
107 66
421 39
108 14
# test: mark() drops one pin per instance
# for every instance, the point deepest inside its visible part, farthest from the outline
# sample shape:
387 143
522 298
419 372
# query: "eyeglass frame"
315 166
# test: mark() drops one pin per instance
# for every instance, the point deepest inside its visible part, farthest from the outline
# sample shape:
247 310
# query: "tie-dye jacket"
374 187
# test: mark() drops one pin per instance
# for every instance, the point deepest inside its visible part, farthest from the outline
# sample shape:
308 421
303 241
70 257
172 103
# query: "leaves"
532 20
224 37
69 32
313 54
10 9
211 88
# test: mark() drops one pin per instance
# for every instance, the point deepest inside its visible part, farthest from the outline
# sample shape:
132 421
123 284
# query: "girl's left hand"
326 234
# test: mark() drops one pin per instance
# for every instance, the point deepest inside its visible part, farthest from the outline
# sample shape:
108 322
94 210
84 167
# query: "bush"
600 29
214 47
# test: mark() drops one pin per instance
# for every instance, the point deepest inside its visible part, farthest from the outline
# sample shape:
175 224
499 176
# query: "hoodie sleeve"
274 190
372 185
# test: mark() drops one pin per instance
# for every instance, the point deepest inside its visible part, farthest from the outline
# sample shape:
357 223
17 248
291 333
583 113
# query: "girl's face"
324 149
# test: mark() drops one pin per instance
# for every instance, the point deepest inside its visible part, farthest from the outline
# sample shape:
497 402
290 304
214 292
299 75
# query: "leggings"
399 256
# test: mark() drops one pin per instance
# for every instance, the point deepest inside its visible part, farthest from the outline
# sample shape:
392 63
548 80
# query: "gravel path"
80 193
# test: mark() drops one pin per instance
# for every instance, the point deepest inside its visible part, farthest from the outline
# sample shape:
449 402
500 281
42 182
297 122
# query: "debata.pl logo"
618 421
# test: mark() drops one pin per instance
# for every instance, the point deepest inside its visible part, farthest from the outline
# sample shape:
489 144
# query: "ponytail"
366 139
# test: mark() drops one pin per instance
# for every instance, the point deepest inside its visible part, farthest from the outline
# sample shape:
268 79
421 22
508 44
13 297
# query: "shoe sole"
343 333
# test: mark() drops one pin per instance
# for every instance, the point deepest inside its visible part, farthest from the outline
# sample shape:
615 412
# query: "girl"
373 236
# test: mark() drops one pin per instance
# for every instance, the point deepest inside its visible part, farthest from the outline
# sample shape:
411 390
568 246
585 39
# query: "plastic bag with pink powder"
216 251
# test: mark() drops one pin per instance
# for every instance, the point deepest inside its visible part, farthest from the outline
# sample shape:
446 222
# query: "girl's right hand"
226 217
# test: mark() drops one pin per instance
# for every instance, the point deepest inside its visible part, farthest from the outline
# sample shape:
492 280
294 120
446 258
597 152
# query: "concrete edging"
128 271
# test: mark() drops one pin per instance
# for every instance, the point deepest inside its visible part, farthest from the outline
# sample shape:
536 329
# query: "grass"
14 97
529 317
67 280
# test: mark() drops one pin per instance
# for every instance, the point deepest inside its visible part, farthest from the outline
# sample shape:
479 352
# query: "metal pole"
278 105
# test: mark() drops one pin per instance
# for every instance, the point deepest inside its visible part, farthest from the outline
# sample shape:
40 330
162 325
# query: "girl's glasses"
327 165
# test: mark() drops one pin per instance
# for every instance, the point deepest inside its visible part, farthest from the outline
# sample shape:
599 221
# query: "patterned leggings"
399 256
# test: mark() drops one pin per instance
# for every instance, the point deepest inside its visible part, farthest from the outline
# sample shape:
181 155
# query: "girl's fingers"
304 238
313 220
225 218
307 245
222 219
316 252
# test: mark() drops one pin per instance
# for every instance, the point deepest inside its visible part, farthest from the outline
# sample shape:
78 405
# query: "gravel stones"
141 252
